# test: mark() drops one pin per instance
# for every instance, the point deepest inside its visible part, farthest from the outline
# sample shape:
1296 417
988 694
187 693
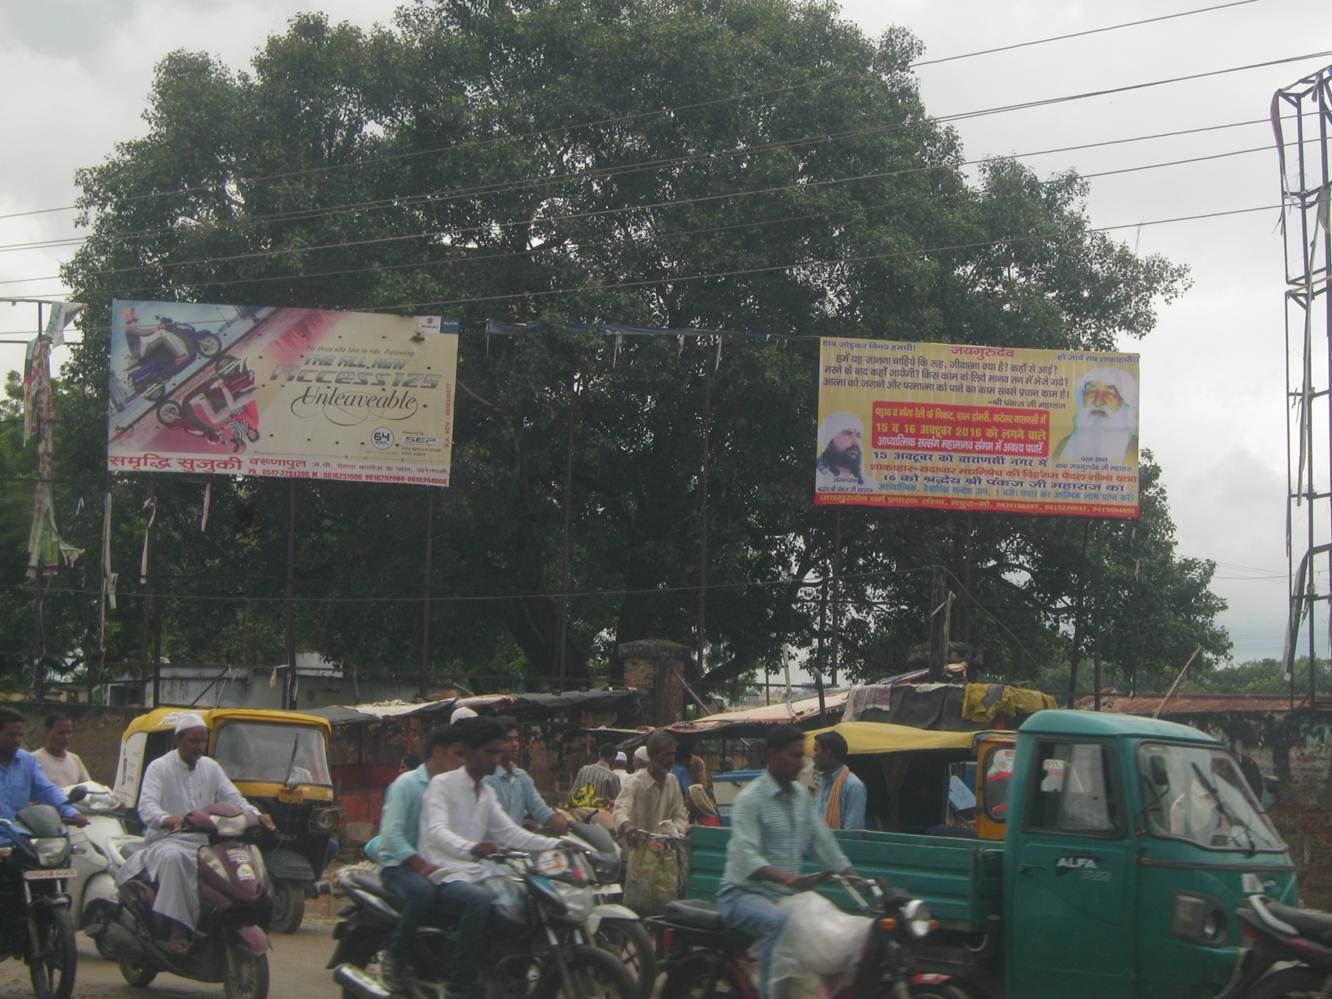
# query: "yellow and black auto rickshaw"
279 761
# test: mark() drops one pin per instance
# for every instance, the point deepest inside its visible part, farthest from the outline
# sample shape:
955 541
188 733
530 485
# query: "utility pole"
938 624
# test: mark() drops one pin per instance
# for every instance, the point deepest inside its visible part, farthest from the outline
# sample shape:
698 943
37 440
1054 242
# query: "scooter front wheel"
246 976
208 345
55 955
140 974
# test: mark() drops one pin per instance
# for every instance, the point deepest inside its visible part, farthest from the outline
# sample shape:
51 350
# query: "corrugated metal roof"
785 713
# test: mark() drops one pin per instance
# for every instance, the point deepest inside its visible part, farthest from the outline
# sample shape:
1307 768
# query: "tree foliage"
513 161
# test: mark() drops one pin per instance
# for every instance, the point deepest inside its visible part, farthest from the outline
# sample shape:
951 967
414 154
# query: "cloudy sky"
75 74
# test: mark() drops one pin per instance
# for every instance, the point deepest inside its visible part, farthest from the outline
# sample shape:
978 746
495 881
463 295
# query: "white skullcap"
621 758
834 423
1122 380
461 714
187 721
641 755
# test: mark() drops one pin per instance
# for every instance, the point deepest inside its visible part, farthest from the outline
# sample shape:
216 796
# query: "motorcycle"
705 959
97 851
1280 934
158 363
35 923
229 943
544 924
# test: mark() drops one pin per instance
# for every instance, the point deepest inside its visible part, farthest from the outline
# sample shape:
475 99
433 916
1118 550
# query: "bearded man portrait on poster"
1106 425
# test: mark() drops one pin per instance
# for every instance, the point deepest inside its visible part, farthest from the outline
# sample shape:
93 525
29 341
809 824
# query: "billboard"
965 427
293 393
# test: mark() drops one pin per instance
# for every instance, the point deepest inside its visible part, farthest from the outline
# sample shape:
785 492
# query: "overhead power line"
681 234
636 116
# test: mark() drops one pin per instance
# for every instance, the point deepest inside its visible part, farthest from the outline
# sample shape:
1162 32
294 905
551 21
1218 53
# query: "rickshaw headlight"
916 915
326 820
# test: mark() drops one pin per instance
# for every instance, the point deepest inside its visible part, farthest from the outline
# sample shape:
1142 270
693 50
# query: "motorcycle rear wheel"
689 978
55 955
595 974
1293 983
246 976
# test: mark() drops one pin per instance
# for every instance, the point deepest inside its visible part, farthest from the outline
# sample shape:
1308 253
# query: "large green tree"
757 166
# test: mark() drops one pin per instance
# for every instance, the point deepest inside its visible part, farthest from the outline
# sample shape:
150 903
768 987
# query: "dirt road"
296 966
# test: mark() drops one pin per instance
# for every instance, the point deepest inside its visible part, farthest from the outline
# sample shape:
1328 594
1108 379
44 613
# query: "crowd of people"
466 798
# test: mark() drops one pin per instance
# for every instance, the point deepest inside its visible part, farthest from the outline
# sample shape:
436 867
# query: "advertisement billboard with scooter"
291 393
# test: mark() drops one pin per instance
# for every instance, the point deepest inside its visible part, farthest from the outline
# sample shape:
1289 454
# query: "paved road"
296 966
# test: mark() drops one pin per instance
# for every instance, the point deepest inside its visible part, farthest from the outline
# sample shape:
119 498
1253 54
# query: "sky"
76 74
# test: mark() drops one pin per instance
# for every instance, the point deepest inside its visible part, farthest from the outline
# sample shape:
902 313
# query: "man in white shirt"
173 786
57 762
461 823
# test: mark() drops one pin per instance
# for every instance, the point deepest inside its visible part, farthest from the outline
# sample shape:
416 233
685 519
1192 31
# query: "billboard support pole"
289 678
562 626
818 654
703 524
1098 583
149 537
425 598
837 594
938 625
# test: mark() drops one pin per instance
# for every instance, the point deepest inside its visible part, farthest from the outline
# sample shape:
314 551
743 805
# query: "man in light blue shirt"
773 826
841 799
403 870
22 781
515 789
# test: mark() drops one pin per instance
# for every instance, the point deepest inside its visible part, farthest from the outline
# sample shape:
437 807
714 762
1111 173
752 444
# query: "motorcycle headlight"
51 851
916 915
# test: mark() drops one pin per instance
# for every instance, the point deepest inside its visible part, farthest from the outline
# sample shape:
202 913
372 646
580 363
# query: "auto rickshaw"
279 761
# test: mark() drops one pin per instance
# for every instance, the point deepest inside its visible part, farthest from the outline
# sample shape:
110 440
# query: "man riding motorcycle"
462 823
22 781
173 786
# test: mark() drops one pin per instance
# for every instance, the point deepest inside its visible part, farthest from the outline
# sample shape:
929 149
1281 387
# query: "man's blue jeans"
758 916
469 906
418 897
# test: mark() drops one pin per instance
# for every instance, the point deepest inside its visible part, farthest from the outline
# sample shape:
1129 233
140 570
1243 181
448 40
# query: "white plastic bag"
818 948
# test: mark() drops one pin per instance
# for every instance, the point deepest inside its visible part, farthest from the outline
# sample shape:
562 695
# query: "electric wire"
635 116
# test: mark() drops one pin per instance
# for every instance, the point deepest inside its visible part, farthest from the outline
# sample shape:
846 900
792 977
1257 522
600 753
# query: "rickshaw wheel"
288 906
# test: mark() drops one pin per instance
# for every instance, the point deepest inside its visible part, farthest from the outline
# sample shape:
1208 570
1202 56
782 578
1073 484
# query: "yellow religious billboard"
967 427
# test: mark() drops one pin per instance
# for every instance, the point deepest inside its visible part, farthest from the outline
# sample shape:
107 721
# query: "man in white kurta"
462 823
173 786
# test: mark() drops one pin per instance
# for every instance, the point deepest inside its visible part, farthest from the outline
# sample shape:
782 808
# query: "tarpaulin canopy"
867 738
528 705
786 713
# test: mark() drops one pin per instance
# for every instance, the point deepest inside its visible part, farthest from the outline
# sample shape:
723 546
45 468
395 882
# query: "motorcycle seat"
690 913
367 879
1312 924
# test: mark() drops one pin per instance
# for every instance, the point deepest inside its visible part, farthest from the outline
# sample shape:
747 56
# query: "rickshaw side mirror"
1157 769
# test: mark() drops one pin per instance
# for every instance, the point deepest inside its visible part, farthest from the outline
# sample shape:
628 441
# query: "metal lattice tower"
1302 119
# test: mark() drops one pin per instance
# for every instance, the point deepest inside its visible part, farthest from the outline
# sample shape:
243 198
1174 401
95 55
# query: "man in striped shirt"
774 825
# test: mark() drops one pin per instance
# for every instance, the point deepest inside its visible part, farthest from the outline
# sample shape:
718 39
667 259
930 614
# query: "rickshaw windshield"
272 753
1197 794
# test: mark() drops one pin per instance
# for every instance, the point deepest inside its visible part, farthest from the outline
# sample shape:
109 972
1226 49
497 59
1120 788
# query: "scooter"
96 853
35 923
539 942
230 943
705 959
151 370
1281 934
